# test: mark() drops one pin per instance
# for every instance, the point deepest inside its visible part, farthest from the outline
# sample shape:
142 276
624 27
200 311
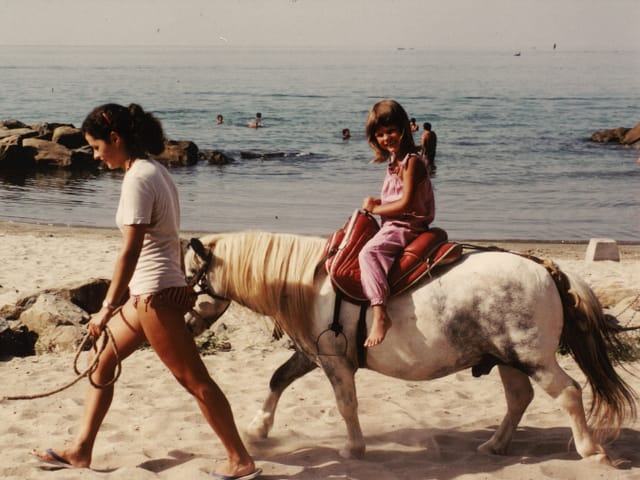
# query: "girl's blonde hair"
387 113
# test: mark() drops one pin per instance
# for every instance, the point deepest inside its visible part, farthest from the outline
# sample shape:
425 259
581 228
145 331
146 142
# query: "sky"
420 24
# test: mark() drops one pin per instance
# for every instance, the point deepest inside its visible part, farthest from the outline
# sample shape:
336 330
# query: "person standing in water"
428 144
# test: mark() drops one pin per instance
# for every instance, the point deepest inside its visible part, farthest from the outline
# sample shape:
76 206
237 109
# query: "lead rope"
106 336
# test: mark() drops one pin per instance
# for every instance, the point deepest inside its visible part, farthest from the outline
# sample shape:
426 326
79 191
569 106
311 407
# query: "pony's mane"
269 273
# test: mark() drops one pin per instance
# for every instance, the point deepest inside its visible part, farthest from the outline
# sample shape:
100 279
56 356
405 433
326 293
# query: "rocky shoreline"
45 146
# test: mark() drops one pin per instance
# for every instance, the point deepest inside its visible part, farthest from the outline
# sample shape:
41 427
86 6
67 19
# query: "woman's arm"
133 238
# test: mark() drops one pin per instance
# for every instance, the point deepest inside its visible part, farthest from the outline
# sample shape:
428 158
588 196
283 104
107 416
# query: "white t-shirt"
149 197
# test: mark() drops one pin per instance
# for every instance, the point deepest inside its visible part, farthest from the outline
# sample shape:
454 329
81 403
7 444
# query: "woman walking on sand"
150 266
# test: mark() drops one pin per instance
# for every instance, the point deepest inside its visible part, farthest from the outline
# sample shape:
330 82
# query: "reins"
199 280
106 336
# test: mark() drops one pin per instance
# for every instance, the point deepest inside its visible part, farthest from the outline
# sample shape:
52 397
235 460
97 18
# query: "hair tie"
106 118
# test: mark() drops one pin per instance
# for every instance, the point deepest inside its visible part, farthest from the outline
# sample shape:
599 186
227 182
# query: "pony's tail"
591 336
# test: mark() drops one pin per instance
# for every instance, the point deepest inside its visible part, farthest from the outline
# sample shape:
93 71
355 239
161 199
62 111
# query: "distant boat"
517 54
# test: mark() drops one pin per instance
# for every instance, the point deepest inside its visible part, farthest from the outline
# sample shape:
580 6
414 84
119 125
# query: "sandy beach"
154 430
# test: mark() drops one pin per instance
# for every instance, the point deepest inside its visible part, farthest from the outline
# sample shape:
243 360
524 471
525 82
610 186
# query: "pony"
492 308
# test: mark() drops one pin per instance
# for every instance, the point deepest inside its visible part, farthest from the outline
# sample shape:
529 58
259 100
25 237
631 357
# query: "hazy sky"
510 24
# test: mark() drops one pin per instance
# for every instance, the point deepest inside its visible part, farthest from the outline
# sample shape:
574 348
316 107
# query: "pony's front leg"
341 374
295 367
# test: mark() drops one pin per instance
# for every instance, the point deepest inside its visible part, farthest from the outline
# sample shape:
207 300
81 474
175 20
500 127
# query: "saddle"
429 250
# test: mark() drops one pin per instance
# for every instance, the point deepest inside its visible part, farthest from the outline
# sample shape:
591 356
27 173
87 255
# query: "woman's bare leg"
168 335
128 336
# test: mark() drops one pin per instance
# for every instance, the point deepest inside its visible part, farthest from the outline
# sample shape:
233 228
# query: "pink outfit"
379 254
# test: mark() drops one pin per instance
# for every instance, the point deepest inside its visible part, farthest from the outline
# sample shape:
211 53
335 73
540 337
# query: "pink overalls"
378 255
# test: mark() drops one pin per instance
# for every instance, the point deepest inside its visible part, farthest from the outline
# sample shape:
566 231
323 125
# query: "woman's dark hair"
388 113
141 132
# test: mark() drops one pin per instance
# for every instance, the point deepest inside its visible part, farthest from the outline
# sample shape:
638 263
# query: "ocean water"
514 157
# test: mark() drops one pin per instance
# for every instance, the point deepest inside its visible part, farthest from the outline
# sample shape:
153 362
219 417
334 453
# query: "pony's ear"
197 246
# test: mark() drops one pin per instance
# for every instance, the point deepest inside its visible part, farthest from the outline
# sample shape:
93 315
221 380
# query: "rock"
65 338
602 249
46 317
18 132
179 153
632 136
16 340
609 136
13 154
46 153
82 158
11 124
621 135
87 295
215 157
51 310
68 136
263 155
46 129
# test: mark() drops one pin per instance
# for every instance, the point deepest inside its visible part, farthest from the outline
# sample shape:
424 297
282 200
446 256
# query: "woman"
150 267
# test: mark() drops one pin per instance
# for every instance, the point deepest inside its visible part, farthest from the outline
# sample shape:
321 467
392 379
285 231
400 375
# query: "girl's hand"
369 203
98 321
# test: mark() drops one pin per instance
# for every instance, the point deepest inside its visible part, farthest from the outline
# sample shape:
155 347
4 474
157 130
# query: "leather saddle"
429 250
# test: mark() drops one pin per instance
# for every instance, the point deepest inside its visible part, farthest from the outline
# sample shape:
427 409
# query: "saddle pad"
342 251
419 257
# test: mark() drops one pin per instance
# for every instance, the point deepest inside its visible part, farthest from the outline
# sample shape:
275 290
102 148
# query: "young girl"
150 268
406 206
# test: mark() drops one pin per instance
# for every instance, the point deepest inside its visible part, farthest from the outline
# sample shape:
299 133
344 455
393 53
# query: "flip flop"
55 460
249 476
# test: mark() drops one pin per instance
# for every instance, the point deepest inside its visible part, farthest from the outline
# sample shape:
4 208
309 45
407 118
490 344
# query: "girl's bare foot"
381 324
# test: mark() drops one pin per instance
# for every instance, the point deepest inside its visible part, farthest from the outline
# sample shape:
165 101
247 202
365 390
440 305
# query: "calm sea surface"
514 160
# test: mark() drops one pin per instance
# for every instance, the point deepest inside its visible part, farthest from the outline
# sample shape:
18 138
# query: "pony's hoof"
621 464
490 448
260 426
601 459
357 452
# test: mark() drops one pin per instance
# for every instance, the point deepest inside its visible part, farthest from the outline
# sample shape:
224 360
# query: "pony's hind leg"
518 393
568 394
295 367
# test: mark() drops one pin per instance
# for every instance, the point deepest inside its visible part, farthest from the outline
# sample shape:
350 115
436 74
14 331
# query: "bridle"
200 278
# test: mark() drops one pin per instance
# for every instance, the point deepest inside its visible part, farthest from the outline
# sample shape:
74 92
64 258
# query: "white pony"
490 308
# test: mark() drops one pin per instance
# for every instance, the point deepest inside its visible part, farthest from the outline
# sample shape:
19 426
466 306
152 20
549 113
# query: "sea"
514 158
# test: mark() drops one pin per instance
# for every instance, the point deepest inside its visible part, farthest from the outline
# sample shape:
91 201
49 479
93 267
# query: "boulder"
82 158
68 136
51 310
18 132
57 322
215 157
621 135
87 295
609 136
13 154
179 153
11 124
45 129
16 340
46 153
632 136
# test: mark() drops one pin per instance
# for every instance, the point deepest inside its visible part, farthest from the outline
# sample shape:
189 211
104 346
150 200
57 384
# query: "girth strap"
361 332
